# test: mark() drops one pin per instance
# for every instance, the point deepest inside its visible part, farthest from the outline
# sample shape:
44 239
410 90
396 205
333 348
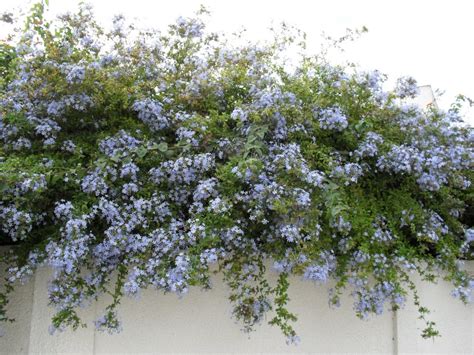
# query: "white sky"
429 40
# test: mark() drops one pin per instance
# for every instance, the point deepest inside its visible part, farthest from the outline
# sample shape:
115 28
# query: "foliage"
136 159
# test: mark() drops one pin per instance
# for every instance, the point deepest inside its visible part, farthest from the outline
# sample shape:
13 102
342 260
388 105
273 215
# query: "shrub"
135 159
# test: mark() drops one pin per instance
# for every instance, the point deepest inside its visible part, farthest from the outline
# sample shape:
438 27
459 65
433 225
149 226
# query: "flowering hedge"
135 159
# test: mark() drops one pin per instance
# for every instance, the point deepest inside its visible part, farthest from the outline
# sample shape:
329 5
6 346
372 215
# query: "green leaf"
163 147
141 152
115 159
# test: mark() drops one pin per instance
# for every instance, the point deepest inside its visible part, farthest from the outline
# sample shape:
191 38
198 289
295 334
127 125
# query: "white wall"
200 322
425 97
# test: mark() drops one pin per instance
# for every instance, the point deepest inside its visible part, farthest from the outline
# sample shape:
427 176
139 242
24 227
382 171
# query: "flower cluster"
332 118
406 87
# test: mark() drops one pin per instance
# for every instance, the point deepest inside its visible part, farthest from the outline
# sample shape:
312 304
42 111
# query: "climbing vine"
133 159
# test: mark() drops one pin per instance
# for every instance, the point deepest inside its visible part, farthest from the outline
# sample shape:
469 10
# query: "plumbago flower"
136 159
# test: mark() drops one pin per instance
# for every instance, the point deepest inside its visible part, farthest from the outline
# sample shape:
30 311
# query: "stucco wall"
200 322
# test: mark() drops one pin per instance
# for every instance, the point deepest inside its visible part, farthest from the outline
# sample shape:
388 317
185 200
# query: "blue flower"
331 118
